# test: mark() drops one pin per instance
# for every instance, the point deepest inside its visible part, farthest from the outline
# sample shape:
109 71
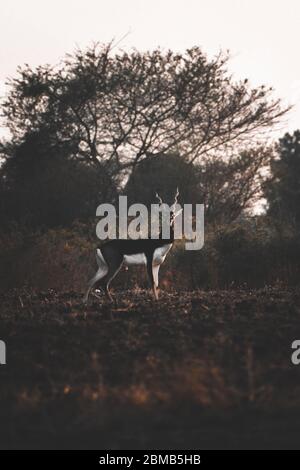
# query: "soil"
195 370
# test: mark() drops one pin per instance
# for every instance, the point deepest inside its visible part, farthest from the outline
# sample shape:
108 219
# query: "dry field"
196 370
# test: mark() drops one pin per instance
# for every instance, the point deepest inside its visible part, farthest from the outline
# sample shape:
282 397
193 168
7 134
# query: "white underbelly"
139 258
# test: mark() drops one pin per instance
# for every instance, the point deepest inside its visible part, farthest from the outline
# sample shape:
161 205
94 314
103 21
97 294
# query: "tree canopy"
117 107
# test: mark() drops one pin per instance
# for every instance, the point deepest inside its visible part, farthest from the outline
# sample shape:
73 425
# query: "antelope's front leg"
151 279
155 269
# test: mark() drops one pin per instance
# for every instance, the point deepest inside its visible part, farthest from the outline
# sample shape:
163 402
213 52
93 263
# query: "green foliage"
283 188
43 187
163 174
227 188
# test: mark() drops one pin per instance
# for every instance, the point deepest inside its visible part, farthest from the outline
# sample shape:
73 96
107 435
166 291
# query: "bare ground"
196 370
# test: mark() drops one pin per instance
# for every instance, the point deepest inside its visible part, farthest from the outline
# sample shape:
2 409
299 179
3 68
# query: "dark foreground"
193 371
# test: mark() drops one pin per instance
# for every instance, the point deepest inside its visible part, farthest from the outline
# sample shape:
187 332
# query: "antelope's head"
174 211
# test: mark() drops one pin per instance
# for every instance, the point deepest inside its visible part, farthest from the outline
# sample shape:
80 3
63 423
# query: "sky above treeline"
262 35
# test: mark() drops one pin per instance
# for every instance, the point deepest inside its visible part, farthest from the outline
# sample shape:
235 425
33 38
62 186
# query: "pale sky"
262 35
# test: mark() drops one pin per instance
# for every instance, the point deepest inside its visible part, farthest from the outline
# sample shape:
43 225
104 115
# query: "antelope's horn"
159 198
175 199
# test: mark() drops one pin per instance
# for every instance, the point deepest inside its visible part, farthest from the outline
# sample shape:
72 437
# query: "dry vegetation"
195 370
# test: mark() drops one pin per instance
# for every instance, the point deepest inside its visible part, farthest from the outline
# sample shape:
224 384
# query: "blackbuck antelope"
148 252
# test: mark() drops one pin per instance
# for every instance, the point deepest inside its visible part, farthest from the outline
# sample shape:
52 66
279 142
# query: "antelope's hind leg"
114 267
153 278
100 274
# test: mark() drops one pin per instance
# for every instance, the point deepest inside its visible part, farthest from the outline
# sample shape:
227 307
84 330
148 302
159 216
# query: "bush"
245 254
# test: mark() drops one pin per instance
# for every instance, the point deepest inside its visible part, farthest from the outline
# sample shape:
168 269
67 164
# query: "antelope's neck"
165 241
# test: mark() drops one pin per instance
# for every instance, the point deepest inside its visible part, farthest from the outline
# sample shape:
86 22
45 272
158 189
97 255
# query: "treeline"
104 124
